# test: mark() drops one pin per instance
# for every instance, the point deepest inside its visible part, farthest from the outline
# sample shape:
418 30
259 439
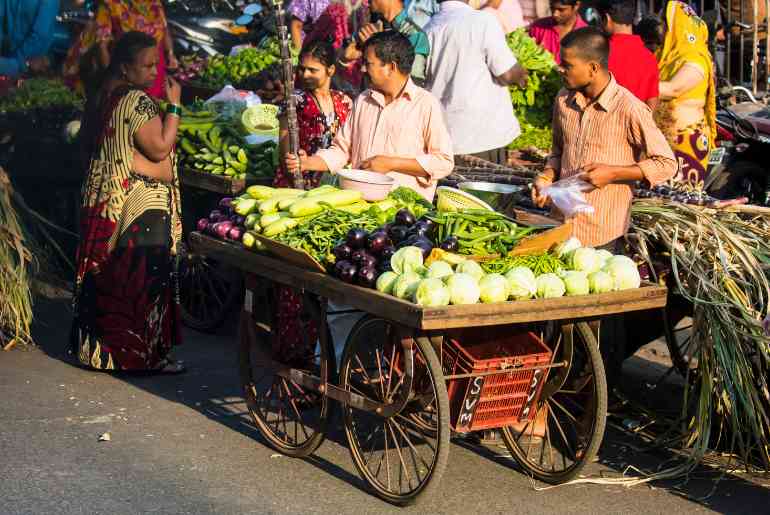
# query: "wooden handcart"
409 375
208 290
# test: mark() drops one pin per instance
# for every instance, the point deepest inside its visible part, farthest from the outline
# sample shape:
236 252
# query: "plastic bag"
231 102
567 196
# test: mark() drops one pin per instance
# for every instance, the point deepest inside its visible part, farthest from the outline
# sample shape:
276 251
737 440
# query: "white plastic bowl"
374 186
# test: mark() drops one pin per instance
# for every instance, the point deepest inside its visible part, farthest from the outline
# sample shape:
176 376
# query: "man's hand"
369 30
293 162
38 64
380 164
599 175
538 198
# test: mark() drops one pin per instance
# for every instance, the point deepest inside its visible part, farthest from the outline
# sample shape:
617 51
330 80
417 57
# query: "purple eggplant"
387 253
216 216
377 241
419 231
203 223
222 228
226 203
235 233
404 217
384 266
342 252
451 244
345 271
238 219
356 238
398 233
427 222
367 277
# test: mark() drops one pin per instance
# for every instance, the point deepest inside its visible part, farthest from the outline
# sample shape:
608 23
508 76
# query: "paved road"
183 445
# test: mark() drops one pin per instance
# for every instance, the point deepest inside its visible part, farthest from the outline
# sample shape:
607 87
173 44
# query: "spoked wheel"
402 451
291 416
208 290
570 417
677 329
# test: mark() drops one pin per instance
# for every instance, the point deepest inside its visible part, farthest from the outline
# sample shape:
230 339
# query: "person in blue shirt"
26 33
421 11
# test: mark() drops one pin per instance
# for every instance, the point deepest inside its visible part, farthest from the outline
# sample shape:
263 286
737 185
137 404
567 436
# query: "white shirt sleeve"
499 57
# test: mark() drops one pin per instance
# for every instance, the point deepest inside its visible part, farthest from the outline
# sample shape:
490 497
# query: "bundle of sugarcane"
718 260
15 263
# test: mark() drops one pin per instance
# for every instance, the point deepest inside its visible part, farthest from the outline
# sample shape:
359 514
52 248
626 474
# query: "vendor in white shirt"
469 70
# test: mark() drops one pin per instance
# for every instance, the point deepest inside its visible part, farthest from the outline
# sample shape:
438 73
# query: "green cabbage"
521 283
432 292
603 256
576 282
493 288
620 259
386 281
549 286
439 270
583 259
406 285
565 247
463 289
471 268
600 282
406 259
625 276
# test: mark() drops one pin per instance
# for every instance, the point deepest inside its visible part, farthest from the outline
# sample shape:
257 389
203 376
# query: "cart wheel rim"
568 424
207 292
291 417
400 455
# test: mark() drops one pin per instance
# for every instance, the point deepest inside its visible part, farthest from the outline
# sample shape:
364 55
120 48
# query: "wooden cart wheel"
208 290
401 455
570 417
292 418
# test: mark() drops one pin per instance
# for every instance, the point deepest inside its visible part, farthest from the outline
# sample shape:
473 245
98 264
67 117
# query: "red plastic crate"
499 400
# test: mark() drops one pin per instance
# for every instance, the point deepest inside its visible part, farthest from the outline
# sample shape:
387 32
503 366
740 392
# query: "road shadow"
212 388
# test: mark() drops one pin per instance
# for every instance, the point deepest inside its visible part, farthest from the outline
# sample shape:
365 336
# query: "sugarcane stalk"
287 73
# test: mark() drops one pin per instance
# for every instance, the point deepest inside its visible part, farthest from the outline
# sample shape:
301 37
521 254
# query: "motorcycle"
217 33
738 166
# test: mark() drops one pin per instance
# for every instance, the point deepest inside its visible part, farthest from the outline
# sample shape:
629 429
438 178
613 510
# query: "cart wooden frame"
392 387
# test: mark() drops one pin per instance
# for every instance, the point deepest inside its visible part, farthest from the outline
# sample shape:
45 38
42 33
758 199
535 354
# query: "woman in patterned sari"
321 111
113 19
126 308
687 112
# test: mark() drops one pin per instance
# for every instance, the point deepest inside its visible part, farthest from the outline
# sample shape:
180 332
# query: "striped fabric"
617 130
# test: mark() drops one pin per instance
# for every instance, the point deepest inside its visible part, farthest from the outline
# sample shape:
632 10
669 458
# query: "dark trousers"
612 336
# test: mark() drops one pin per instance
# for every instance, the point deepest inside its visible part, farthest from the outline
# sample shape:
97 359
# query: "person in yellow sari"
687 112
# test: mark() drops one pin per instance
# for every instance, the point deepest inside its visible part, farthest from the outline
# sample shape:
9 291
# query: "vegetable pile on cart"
458 330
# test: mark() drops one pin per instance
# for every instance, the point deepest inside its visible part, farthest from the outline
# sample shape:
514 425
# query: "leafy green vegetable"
576 283
406 259
521 283
550 286
40 94
411 200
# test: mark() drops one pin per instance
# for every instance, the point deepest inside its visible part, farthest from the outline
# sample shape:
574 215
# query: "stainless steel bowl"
492 193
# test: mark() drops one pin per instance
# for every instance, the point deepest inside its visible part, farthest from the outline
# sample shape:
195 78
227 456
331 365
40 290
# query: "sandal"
168 367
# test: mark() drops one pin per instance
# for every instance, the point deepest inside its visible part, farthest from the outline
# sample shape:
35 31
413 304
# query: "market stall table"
532 369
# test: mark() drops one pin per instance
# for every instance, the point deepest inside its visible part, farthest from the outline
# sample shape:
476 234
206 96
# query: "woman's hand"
293 162
173 91
171 62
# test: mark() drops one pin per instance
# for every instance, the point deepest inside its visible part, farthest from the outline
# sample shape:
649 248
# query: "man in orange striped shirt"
603 133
